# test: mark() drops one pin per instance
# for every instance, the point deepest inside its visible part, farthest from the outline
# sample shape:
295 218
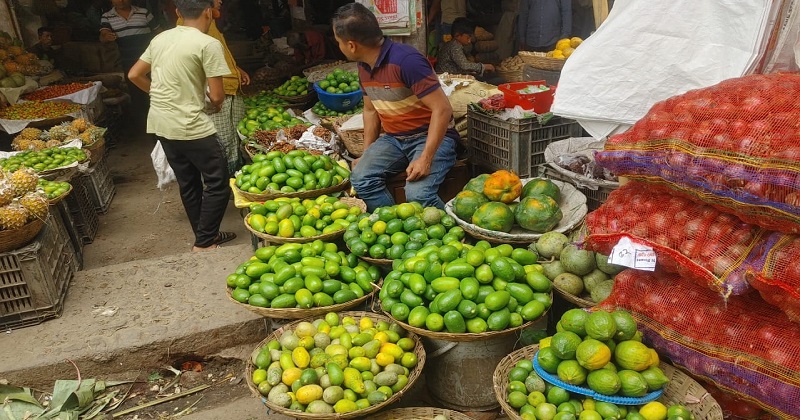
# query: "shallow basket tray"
577 145
58 199
96 150
541 61
299 313
681 389
413 375
350 201
575 300
299 99
510 75
344 185
17 238
572 204
419 413
467 337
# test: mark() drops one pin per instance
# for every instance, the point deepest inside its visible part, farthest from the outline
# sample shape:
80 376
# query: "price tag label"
630 254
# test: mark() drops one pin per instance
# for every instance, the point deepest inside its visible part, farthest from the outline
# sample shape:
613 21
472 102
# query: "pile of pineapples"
36 139
20 201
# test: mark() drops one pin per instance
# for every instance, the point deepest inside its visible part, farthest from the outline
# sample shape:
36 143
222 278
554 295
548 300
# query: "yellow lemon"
653 411
365 322
563 44
382 337
290 375
384 359
545 342
575 41
568 52
392 349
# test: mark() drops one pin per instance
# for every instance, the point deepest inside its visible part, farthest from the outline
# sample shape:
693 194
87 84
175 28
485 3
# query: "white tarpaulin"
647 51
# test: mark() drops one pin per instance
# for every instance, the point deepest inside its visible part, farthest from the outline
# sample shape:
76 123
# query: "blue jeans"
387 157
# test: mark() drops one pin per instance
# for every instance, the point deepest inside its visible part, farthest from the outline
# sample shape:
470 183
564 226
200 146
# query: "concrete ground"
144 301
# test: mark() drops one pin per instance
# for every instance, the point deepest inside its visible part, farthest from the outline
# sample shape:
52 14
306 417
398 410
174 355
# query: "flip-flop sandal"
223 237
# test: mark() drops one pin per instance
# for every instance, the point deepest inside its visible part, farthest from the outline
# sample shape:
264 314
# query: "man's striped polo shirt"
400 78
139 22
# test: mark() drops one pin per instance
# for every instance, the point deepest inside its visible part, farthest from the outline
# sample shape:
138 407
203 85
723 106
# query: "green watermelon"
541 186
476 184
494 215
538 213
466 202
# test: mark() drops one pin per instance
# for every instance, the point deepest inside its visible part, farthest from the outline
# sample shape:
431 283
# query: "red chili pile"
35 110
55 91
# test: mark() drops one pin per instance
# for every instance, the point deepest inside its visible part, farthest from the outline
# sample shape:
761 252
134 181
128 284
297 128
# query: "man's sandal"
223 237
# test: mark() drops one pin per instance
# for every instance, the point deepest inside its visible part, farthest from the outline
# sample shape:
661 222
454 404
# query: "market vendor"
131 27
453 59
44 49
403 96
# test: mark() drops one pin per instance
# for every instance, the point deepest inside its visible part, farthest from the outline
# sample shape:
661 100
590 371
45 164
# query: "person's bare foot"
208 248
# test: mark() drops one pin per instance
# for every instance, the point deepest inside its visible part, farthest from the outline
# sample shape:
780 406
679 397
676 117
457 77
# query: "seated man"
403 96
44 49
452 58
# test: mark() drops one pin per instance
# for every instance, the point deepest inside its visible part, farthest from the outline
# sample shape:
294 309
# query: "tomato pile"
37 110
55 91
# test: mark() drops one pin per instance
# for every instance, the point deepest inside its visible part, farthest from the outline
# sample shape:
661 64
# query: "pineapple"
80 125
23 180
13 216
60 132
52 143
22 144
6 193
36 203
91 135
30 133
38 145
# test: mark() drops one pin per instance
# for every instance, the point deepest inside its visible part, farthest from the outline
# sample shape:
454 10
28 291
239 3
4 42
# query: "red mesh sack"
744 345
734 145
694 240
777 274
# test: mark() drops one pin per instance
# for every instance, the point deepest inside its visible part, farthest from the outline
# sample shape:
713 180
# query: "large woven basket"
419 413
681 389
419 351
342 186
572 204
293 101
467 337
17 238
328 237
540 60
299 313
353 140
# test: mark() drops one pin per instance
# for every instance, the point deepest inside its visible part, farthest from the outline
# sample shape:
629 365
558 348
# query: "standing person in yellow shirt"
232 109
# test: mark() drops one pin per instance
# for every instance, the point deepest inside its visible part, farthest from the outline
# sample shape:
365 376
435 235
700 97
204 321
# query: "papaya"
466 202
494 216
476 184
541 186
504 186
538 213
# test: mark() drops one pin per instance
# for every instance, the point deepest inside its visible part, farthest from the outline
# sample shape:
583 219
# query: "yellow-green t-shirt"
181 59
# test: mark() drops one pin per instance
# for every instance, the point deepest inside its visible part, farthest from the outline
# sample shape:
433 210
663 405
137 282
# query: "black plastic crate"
516 145
78 204
34 279
68 229
100 186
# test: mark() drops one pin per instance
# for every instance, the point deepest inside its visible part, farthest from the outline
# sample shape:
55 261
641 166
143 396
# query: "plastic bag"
161 165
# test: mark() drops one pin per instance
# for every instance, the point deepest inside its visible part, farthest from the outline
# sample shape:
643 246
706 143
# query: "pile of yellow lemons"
565 47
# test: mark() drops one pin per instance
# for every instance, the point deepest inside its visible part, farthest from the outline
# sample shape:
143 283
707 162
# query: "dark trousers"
195 163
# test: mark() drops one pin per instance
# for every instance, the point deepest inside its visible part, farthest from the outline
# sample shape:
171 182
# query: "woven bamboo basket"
510 75
419 351
308 98
419 413
541 61
572 204
17 238
342 186
576 300
328 237
353 139
299 313
96 151
681 389
58 199
315 74
467 337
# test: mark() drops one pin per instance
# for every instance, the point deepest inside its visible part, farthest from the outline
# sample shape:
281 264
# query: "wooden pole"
600 8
